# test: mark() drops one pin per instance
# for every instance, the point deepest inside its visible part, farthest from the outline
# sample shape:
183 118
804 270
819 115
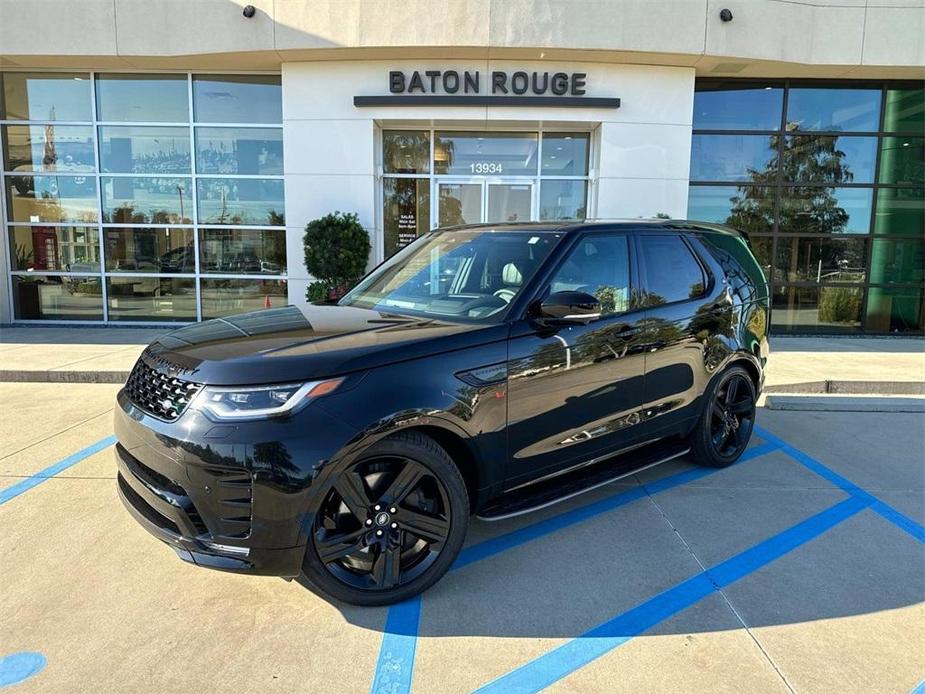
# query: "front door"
575 392
467 201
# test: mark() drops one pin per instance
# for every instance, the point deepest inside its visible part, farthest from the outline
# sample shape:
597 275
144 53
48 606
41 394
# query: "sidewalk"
797 364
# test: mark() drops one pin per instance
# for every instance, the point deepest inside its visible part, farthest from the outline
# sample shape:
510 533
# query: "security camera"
724 14
249 11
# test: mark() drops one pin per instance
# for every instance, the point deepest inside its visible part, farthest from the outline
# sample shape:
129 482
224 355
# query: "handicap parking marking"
32 481
900 520
548 669
395 666
18 667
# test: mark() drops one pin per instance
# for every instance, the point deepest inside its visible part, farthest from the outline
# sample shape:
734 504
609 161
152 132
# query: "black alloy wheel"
728 420
386 526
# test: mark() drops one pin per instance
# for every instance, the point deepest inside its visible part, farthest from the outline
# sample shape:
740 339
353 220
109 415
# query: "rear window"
672 272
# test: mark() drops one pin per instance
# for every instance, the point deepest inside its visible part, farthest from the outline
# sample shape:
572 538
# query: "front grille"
161 395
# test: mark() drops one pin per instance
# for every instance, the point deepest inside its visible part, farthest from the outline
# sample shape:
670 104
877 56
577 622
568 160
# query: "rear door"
574 392
682 327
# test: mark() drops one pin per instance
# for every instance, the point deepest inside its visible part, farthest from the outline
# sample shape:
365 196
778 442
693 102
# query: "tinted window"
144 98
672 272
598 265
833 109
238 99
738 106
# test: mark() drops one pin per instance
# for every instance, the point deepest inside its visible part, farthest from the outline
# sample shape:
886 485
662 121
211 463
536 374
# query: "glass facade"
437 178
828 180
142 197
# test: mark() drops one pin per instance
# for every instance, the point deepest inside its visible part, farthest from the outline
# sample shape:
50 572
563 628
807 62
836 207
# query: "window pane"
598 265
833 109
509 202
830 159
149 250
733 158
563 199
48 297
762 247
222 297
243 251
48 148
732 106
816 309
406 211
51 198
151 298
241 201
902 160
820 259
146 200
822 210
65 248
144 149
142 98
905 111
406 151
45 96
900 211
672 273
895 260
460 203
894 310
747 208
565 155
239 151
237 99
501 154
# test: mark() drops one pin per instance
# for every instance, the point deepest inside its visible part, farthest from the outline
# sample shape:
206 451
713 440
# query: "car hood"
304 343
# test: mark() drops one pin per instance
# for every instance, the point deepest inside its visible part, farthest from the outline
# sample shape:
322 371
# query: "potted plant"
336 252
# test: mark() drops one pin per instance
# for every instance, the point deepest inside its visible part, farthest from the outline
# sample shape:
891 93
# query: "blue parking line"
562 661
880 507
18 667
403 642
395 667
34 480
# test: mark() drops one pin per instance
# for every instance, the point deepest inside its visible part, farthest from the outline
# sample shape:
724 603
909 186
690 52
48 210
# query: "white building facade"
150 181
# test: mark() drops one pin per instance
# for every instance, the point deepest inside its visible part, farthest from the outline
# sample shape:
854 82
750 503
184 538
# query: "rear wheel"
390 524
725 427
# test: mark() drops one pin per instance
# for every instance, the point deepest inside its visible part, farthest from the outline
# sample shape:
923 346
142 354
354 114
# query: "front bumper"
217 495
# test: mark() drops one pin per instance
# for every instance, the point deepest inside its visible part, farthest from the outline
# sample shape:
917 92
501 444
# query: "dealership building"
161 158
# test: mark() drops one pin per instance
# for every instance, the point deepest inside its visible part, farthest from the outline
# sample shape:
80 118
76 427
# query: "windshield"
472 274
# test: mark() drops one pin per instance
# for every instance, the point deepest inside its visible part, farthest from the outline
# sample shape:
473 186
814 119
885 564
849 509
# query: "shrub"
839 304
336 252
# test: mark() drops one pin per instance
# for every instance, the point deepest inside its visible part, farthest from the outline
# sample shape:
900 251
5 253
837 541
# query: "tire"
731 419
385 564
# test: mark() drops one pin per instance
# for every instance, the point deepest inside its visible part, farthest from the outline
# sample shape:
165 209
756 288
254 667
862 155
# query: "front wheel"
725 427
390 525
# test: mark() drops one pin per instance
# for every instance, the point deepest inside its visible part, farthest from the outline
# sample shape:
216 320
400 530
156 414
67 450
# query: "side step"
571 484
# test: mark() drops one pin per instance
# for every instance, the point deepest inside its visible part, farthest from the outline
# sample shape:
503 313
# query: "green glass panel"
900 211
902 160
894 310
905 111
897 260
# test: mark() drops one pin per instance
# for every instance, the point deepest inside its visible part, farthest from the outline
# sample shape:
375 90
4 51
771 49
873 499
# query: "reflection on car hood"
294 344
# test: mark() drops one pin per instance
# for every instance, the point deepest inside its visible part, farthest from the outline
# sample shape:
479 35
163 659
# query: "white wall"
330 145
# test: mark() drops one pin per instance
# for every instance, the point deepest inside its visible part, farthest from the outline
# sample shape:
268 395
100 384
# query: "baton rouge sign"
498 88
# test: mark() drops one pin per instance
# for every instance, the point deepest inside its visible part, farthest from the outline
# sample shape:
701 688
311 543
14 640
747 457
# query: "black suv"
492 370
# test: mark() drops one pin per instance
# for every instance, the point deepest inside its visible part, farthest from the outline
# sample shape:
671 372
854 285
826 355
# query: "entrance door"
473 202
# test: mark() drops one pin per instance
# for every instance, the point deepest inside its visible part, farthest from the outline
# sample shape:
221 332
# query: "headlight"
258 402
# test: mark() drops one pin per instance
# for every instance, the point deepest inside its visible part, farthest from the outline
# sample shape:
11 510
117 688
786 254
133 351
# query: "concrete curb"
10 376
851 387
835 403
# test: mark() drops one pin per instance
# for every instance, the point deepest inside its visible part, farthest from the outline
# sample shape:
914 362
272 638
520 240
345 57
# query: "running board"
585 479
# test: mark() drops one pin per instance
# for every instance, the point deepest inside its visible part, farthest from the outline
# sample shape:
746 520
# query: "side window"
672 272
598 265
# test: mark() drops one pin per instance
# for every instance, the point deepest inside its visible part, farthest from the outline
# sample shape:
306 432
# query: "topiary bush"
336 252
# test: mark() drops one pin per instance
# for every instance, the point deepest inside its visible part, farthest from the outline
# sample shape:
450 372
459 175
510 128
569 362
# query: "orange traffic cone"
266 301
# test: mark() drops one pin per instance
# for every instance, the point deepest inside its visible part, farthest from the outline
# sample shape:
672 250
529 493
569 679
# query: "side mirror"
569 307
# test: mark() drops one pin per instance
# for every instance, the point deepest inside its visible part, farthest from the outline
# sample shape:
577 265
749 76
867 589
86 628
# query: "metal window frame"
94 125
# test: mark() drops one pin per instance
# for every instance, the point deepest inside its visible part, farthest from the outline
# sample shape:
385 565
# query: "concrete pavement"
112 609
